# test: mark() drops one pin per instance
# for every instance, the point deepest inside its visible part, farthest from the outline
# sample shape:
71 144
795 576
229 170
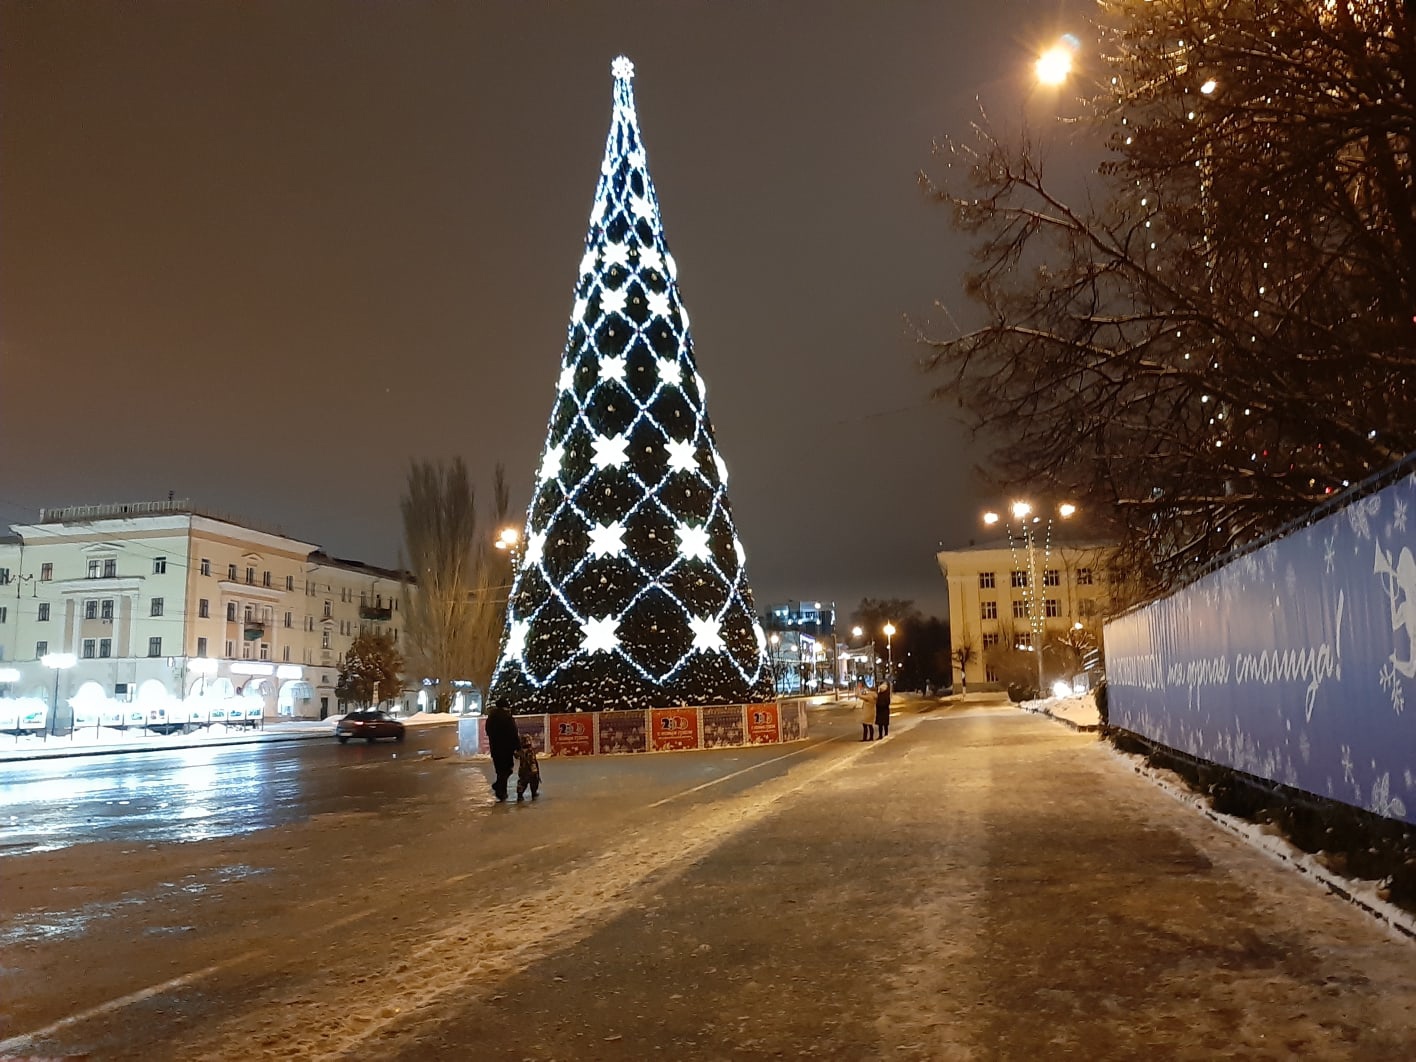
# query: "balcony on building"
381 614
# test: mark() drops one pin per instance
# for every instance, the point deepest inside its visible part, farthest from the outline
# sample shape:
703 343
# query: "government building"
157 602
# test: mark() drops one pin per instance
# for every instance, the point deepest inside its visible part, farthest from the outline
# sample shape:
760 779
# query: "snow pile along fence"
659 729
1293 662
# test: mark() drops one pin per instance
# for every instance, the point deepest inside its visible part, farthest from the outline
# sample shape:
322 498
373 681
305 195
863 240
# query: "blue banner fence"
1294 661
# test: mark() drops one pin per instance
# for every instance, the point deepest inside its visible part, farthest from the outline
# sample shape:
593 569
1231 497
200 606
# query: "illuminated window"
44 612
46 572
156 607
989 609
985 581
1052 608
1052 577
1020 579
1084 577
154 647
90 649
159 566
1023 640
1020 610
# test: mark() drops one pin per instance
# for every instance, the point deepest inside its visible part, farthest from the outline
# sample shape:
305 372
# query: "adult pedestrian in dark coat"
504 739
882 711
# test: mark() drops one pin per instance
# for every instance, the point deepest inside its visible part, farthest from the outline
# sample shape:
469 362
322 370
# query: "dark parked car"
368 725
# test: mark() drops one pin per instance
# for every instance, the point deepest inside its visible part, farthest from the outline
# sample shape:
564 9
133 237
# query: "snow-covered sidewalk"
1079 712
99 741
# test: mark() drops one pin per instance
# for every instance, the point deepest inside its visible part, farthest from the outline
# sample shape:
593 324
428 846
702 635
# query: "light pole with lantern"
890 655
509 541
1028 524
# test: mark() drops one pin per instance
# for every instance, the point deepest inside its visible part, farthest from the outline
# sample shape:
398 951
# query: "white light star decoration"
600 635
609 451
607 540
707 638
693 542
601 614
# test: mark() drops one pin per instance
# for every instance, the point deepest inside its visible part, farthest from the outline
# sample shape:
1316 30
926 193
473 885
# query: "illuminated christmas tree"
631 592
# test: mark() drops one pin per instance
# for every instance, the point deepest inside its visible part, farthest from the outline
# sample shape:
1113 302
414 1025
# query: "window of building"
265 650
110 569
205 567
156 607
4 576
990 640
985 581
91 608
324 642
105 608
1020 610
395 634
250 577
990 674
245 650
989 609
204 609
120 693
290 582
1086 608
201 647
231 572
154 647
89 649
1052 608
41 648
1052 577
327 610
363 599
4 613
230 612
285 653
246 615
228 653
309 623
105 648
44 612
1020 579
1023 640
289 618
95 569
46 572
159 566
1084 577
265 578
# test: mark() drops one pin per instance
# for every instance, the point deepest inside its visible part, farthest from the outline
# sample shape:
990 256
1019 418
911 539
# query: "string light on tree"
633 590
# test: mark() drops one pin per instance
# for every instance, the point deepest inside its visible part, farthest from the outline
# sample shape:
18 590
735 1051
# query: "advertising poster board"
621 731
534 727
793 722
673 728
722 725
572 734
762 724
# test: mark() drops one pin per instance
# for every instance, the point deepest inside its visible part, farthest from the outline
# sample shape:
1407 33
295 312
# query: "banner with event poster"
534 727
572 734
793 722
762 724
722 725
673 728
1292 662
621 731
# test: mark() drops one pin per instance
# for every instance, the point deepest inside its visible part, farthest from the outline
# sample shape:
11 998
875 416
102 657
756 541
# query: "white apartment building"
991 599
161 600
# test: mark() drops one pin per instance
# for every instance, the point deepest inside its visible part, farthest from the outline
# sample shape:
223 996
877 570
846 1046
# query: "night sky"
262 254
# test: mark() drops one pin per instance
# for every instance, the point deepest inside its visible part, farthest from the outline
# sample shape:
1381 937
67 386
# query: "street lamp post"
775 639
859 632
57 662
1028 525
509 539
890 655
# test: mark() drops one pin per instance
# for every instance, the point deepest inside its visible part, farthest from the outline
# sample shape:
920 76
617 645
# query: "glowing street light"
890 654
509 539
1054 65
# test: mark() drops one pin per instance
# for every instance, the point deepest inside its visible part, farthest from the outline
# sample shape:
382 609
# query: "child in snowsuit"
528 771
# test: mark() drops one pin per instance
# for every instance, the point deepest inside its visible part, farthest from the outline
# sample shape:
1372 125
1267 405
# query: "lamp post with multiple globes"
1028 524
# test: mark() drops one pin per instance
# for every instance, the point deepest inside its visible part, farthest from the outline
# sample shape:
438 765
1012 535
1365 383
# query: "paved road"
984 884
199 793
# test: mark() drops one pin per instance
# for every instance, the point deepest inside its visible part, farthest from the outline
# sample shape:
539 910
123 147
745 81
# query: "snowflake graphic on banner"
632 591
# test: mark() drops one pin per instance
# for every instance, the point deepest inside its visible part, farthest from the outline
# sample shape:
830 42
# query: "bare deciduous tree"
454 614
1224 336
